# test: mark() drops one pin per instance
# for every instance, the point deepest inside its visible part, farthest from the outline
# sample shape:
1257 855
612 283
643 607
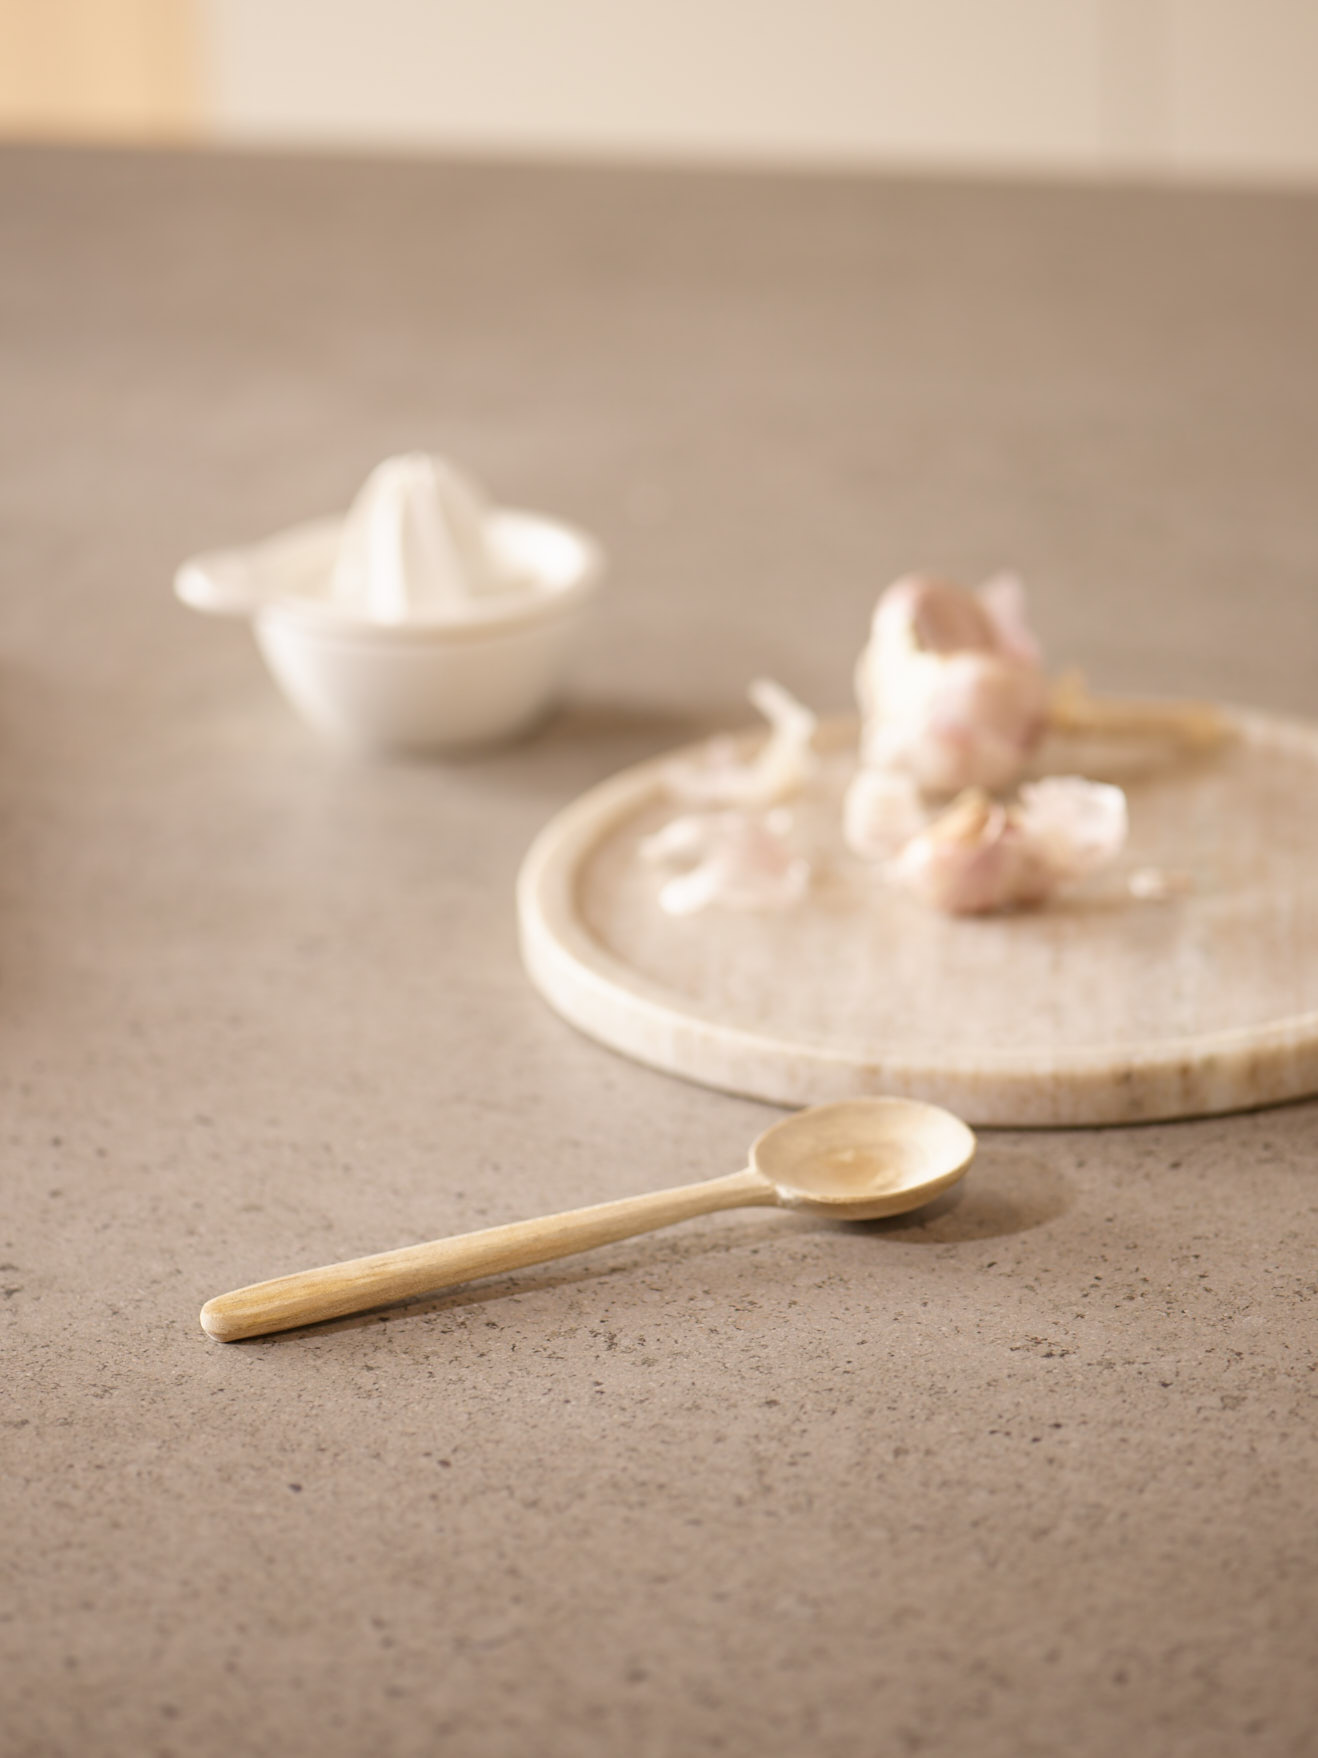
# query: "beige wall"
1169 86
812 79
1242 85
1173 87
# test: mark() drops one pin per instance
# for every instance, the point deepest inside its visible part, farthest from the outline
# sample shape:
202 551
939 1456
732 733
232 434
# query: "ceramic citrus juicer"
425 620
853 1161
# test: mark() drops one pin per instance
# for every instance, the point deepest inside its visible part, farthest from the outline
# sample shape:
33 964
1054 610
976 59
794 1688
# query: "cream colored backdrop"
1169 87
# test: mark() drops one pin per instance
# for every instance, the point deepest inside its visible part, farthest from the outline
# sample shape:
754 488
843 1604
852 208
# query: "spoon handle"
363 1282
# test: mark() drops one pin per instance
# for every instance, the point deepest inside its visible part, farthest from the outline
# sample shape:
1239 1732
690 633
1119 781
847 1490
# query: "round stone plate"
1102 1007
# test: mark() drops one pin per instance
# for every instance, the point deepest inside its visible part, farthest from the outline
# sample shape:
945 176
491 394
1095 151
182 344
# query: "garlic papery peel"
951 686
1077 824
780 768
739 860
1159 884
881 811
1003 600
415 543
980 855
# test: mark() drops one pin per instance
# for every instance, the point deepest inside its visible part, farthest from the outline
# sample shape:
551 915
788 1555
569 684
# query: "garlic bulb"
951 685
980 855
737 859
779 769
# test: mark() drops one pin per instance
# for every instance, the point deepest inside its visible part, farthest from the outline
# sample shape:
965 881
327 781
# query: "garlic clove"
979 855
966 861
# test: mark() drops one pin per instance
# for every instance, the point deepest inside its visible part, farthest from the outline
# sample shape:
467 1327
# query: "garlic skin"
415 543
951 685
779 769
1159 884
881 811
980 855
738 860
1077 825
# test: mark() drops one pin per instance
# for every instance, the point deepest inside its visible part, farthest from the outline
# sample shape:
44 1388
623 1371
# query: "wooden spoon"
855 1161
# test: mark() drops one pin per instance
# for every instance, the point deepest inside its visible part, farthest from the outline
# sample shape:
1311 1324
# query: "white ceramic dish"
426 684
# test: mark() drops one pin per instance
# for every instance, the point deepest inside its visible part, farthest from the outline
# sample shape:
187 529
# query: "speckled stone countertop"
1032 1473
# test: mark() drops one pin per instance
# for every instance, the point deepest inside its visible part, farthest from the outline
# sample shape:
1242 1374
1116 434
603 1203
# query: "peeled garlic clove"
779 769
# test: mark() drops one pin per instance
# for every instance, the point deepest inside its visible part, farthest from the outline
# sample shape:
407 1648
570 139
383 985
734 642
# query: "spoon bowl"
863 1158
854 1161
